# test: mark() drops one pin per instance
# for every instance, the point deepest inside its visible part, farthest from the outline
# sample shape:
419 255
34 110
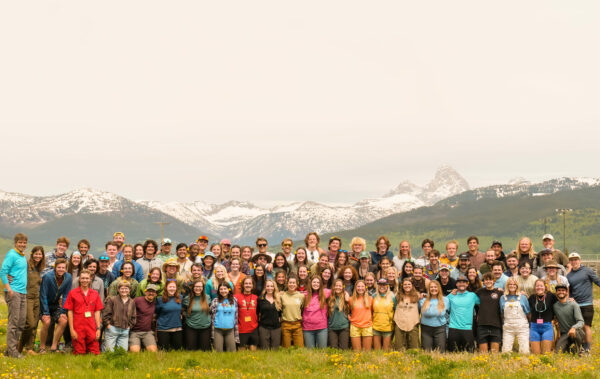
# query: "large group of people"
228 297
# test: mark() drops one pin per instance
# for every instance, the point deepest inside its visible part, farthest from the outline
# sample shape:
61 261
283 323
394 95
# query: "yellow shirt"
291 306
383 312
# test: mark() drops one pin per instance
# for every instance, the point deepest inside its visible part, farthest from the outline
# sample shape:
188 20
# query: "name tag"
248 319
88 314
540 320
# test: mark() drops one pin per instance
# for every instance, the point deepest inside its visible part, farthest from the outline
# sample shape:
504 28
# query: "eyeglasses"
262 245
287 245
171 280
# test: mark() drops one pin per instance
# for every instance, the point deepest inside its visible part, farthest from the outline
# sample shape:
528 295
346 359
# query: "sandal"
42 350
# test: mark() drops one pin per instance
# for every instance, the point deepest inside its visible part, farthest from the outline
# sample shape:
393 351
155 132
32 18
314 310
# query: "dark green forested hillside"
506 219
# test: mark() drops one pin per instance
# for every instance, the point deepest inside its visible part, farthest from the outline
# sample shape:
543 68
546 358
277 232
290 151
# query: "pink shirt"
313 317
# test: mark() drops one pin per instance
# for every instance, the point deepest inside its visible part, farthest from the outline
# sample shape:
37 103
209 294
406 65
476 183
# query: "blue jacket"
139 271
50 293
375 257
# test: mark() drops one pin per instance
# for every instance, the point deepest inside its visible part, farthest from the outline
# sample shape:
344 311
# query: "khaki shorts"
361 332
144 339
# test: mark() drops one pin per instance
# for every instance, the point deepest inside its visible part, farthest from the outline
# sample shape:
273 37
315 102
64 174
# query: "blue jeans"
315 338
116 337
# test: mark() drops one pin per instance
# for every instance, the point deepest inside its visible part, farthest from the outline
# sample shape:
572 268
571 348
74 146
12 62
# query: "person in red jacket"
247 318
84 305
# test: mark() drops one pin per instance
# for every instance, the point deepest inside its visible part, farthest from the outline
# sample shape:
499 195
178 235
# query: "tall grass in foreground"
301 363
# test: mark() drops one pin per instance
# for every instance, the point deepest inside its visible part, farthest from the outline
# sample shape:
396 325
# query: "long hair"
336 261
329 282
256 278
285 266
71 267
41 265
215 280
321 293
473 286
306 261
340 273
229 296
276 296
510 281
201 299
531 253
403 274
409 251
355 295
165 296
337 299
412 295
440 297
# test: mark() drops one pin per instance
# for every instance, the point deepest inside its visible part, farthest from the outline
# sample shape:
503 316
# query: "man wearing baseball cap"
165 250
558 256
464 262
462 304
497 247
202 242
570 321
448 284
141 333
581 280
547 257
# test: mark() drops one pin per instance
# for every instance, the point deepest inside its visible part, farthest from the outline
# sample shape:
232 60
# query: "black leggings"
197 339
170 340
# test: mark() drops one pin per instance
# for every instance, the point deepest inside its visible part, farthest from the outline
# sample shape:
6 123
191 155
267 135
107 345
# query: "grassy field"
298 363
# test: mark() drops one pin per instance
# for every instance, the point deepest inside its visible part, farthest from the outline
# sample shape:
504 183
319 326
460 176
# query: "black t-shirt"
542 308
489 307
268 315
447 289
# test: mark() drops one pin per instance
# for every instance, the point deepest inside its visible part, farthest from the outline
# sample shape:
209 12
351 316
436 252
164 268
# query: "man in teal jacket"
14 278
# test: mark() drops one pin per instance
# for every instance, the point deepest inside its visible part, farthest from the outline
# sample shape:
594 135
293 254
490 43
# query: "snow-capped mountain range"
244 221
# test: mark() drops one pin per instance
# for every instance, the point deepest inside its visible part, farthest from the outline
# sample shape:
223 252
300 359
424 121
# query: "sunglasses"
171 280
104 259
287 245
262 245
343 251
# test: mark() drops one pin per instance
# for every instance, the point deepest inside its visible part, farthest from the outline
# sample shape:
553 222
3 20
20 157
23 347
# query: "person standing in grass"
433 318
541 331
462 304
15 293
581 282
118 317
169 329
247 317
141 334
269 317
516 313
291 314
83 305
96 283
56 285
197 318
224 311
338 325
489 321
35 265
314 315
406 316
361 318
384 304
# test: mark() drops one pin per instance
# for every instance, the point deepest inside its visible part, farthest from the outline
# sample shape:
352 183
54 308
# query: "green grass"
302 363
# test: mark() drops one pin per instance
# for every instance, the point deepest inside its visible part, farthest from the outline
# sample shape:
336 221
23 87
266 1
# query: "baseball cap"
496 242
364 254
464 256
103 257
462 278
166 241
548 237
202 238
444 266
382 282
574 255
561 285
545 251
152 287
225 241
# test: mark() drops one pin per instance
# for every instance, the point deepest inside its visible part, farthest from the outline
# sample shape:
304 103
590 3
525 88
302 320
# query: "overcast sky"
304 100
